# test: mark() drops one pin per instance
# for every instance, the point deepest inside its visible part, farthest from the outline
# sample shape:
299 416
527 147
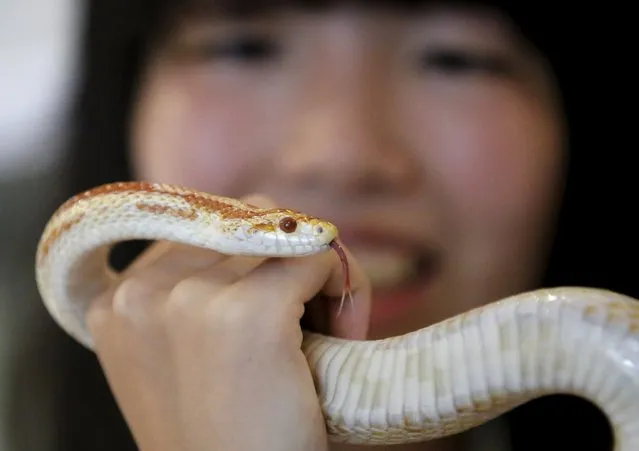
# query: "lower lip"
392 304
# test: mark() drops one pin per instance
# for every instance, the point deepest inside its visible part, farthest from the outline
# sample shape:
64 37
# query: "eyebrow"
246 9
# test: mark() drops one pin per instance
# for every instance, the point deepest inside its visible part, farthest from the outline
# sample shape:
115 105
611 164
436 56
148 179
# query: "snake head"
284 232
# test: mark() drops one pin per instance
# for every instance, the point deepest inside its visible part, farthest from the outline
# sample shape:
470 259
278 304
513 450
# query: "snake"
437 381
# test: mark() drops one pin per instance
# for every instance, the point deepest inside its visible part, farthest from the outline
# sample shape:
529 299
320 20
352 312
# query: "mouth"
389 269
401 273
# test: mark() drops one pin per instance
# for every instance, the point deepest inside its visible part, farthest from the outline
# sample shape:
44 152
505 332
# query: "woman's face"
431 139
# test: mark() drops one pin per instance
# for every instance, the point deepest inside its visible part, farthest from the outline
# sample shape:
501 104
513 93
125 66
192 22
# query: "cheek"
187 133
497 163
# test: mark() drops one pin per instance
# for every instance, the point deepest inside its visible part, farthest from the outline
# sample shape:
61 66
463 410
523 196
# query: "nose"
344 141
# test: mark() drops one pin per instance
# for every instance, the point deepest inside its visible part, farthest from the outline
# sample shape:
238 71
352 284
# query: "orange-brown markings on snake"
228 210
166 210
56 233
201 201
262 227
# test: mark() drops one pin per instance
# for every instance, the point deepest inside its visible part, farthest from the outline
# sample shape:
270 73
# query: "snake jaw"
347 278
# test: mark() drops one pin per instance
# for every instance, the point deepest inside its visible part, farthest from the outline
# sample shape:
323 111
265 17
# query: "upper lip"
381 233
428 252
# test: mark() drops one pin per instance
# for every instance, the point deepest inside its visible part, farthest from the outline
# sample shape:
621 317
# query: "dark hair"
591 234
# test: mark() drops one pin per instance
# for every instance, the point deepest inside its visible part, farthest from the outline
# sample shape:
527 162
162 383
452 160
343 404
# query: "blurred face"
430 139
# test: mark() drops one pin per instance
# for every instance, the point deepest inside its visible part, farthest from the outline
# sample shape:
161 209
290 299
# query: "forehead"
166 17
253 8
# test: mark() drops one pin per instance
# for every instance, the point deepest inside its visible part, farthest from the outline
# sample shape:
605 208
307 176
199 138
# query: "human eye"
235 47
245 48
460 62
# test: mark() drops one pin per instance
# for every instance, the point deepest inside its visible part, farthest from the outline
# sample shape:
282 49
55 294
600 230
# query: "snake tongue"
347 277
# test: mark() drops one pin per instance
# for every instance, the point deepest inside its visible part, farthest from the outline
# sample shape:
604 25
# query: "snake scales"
430 383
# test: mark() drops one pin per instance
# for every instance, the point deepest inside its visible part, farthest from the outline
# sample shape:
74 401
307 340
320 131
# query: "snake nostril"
319 230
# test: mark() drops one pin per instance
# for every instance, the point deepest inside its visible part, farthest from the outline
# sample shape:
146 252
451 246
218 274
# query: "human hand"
202 351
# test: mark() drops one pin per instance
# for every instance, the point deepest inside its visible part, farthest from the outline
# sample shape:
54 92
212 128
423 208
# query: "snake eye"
288 224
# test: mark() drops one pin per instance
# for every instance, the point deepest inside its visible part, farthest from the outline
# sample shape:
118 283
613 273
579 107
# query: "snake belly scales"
430 383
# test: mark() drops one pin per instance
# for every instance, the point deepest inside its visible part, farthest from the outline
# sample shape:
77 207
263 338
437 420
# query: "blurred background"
38 57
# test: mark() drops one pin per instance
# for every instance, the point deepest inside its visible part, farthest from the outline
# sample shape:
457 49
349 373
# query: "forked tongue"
347 277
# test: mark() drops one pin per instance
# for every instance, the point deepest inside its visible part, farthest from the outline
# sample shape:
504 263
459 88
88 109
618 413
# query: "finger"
207 280
295 280
174 262
200 288
129 349
137 297
136 300
133 303
259 200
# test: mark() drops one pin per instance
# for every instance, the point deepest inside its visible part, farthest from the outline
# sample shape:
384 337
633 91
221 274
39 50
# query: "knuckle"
229 313
182 292
180 300
187 292
188 299
270 322
202 286
234 311
130 297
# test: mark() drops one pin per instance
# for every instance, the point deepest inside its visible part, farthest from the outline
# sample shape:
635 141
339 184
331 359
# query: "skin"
460 166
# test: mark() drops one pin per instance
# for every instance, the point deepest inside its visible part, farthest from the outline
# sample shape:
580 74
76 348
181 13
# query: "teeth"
386 268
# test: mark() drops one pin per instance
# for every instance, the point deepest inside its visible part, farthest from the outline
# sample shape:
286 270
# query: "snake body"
434 382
